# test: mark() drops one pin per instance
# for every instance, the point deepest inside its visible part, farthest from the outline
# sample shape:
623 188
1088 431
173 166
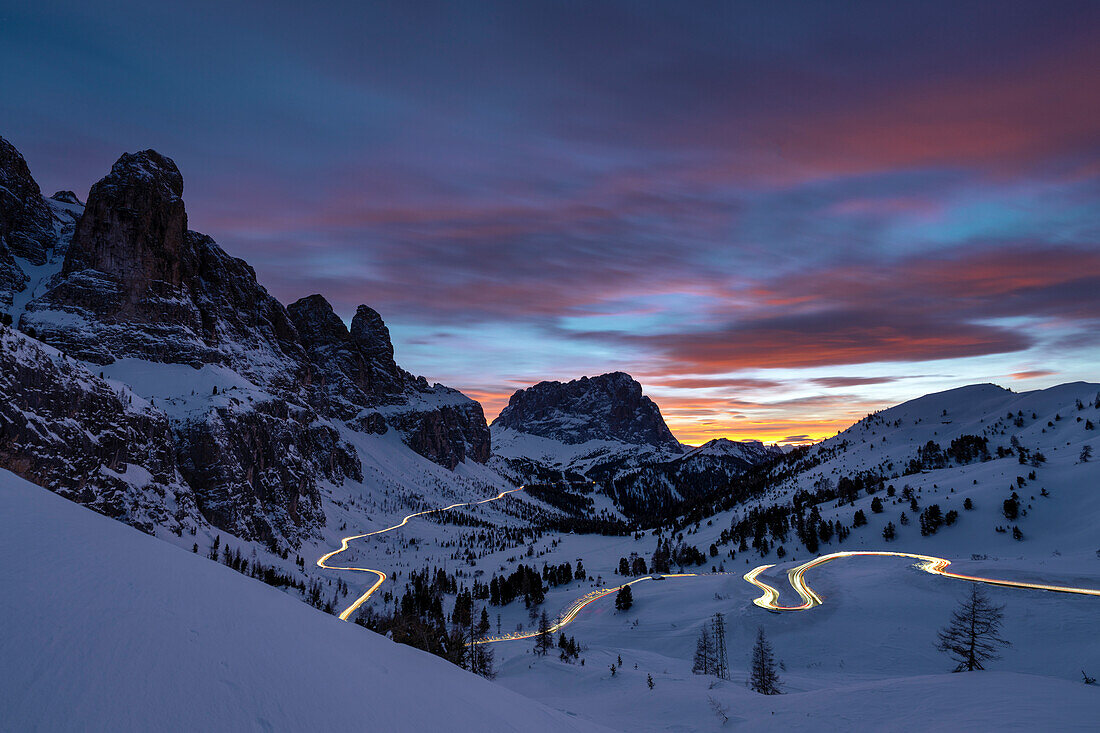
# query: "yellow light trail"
929 564
322 562
769 599
569 614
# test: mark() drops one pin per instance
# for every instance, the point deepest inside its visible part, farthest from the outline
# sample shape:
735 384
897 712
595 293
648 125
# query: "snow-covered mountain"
604 429
246 412
610 407
978 469
751 452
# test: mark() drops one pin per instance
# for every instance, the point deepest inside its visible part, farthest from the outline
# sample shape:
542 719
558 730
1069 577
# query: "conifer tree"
481 655
543 639
763 677
721 662
973 635
703 662
624 599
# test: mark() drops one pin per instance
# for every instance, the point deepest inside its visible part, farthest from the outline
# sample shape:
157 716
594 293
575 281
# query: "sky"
778 217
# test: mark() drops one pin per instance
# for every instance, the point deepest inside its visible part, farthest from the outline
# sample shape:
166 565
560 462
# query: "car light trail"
769 599
929 564
322 562
569 614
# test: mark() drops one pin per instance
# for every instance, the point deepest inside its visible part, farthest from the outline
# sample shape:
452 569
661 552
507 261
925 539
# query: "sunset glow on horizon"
777 219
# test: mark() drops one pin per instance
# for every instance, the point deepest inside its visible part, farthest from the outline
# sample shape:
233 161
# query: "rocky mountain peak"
66 197
26 224
134 227
607 407
316 322
370 332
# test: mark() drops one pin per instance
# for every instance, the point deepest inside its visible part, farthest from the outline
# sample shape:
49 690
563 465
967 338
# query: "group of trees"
635 565
963 449
710 649
524 581
932 518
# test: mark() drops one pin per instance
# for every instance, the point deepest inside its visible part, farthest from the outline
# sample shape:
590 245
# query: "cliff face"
137 283
26 223
98 444
607 407
131 282
355 378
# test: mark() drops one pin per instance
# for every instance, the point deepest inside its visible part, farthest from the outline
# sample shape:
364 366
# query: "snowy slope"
109 629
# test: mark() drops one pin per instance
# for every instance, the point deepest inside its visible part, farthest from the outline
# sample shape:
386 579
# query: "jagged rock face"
255 470
350 370
134 228
607 407
447 434
137 283
71 432
26 223
370 333
355 378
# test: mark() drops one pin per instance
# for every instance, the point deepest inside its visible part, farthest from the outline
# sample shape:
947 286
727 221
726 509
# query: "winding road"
768 600
928 563
322 562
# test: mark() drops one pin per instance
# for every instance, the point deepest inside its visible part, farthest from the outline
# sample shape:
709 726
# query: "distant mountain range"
149 375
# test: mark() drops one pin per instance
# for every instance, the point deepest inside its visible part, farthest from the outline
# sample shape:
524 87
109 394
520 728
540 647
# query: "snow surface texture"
109 629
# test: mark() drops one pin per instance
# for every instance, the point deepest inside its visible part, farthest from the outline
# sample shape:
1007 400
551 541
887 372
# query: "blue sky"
777 219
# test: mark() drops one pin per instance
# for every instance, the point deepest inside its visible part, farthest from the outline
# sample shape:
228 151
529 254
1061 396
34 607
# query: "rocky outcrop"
137 283
349 370
128 280
608 407
26 223
97 444
444 426
255 469
354 377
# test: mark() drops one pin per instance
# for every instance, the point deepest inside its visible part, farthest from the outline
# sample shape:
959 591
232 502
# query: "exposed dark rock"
63 428
26 224
254 471
355 378
350 370
136 283
446 433
607 407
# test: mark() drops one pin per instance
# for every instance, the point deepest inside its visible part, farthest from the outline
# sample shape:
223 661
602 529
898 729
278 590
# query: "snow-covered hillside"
109 629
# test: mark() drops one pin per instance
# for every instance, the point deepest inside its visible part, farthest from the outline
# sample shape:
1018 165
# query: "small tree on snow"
973 635
721 663
544 638
763 677
1086 453
719 709
624 599
703 662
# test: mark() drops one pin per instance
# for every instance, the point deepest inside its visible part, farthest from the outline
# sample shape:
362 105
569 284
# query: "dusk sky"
778 219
